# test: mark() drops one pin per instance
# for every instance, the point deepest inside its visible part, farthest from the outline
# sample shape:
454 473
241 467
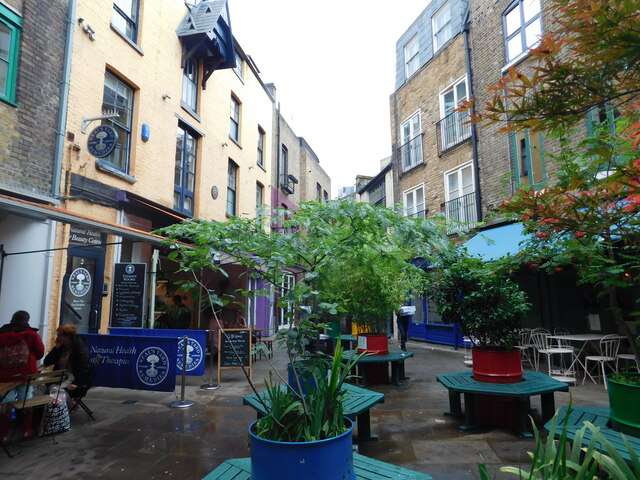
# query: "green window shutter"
10 27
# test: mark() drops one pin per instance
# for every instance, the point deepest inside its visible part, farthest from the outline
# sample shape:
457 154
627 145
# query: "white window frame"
411 56
518 9
444 28
284 317
452 127
239 69
125 20
234 119
415 211
190 85
465 215
411 142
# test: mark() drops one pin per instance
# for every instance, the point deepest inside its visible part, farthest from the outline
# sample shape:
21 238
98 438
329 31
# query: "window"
377 194
603 115
261 136
10 25
286 306
118 97
522 25
125 18
460 202
232 186
326 196
441 23
528 158
234 127
452 126
185 170
411 57
411 143
238 68
190 85
259 201
414 202
318 192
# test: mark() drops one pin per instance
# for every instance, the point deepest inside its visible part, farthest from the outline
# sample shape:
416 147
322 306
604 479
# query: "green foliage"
482 298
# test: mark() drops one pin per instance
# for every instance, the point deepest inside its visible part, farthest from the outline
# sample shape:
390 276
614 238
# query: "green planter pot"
624 400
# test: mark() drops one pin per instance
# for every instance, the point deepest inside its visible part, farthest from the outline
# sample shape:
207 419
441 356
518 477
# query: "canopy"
497 242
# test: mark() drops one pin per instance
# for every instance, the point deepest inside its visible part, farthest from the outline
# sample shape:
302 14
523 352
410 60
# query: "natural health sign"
128 294
140 363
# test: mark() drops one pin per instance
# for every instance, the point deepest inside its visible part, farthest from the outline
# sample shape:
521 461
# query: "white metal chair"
535 353
609 345
541 341
627 357
562 331
524 346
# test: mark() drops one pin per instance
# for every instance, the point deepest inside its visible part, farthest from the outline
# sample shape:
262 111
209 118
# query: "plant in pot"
487 304
314 243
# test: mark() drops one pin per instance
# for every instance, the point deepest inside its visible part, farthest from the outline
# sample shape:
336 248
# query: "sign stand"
210 385
234 350
182 403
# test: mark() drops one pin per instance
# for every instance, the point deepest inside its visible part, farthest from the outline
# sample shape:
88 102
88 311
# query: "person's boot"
5 422
27 423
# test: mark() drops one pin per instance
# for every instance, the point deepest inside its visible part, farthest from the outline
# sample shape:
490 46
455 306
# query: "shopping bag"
56 418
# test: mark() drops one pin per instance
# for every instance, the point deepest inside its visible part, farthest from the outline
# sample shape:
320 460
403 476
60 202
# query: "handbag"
56 418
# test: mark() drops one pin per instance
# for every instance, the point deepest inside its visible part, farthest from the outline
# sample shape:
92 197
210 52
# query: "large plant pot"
624 400
373 343
322 460
497 366
305 375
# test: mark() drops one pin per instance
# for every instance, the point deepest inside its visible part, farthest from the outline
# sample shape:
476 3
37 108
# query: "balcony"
419 214
461 210
452 131
411 153
287 183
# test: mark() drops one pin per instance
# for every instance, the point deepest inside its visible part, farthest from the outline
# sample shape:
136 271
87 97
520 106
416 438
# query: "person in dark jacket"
18 334
70 353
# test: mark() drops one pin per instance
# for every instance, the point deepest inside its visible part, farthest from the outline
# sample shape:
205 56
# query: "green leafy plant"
482 298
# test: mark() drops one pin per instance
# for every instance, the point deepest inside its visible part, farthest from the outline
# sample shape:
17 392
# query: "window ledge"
235 141
520 58
108 168
128 40
190 111
412 168
262 167
9 102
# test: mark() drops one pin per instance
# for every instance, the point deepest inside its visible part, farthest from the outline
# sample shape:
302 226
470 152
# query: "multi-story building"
166 118
377 190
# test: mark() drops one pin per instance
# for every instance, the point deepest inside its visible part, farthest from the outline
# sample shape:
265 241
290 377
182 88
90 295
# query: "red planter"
497 366
373 343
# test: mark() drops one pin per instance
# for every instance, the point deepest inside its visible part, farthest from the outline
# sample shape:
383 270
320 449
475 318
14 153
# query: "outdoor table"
395 357
534 383
356 403
365 468
585 339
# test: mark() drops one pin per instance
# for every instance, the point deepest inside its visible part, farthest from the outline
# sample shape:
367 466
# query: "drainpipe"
64 99
474 135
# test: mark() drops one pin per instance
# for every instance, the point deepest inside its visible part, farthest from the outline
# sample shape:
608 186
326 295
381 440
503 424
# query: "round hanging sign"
102 140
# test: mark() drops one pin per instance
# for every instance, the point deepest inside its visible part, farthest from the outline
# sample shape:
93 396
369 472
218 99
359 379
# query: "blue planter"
305 373
330 459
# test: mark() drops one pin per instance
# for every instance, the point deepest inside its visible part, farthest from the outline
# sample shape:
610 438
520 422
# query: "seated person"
70 353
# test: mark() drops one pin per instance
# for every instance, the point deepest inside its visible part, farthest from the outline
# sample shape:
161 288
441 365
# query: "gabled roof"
202 18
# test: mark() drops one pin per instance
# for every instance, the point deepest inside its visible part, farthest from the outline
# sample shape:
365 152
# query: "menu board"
234 349
128 294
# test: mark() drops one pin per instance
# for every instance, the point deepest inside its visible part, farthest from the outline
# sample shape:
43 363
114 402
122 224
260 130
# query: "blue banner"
196 344
140 363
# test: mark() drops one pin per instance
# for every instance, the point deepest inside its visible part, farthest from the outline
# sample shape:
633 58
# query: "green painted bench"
534 383
356 403
599 417
395 357
366 469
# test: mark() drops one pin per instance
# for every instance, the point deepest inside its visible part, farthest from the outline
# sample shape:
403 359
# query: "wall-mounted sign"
102 140
84 236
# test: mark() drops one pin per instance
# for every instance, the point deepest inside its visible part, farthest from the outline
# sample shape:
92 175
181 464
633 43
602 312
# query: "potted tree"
487 304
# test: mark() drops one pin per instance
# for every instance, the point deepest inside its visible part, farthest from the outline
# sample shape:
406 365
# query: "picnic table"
356 403
366 469
395 357
599 417
534 383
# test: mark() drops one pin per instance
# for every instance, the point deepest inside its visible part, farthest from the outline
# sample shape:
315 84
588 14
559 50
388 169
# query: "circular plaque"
102 140
214 192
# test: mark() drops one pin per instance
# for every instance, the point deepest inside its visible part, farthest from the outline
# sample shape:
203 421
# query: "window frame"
232 189
520 31
131 22
259 201
522 170
190 81
446 7
415 158
239 68
13 23
183 190
458 172
461 131
234 119
288 281
123 144
414 191
411 64
260 147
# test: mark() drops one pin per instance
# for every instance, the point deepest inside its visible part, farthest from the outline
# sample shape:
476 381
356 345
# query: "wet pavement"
137 435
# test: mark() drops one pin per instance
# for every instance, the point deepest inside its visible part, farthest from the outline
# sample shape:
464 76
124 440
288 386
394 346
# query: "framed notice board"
234 350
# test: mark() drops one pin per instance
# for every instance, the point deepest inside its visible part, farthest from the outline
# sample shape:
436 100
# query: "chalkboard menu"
128 294
234 349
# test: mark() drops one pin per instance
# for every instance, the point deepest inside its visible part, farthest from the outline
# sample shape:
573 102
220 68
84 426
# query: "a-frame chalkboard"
234 350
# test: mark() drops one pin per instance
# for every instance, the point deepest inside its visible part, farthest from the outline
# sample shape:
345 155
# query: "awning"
42 212
497 242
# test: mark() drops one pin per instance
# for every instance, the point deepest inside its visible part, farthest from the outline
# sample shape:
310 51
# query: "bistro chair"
628 357
535 352
562 331
524 346
77 395
608 347
541 341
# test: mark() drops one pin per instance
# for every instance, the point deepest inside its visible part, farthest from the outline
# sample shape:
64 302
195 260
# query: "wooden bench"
366 469
599 417
356 403
534 383
395 357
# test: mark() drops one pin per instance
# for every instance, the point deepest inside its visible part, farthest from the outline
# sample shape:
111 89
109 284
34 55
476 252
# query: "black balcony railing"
412 153
287 183
452 131
418 214
461 210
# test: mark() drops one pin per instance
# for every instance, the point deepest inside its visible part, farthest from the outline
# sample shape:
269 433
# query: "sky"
333 65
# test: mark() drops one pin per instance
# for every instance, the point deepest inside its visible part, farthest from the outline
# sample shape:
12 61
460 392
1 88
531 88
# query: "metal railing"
452 131
418 214
461 210
411 153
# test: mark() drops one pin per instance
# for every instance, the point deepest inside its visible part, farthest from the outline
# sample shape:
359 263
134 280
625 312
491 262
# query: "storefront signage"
102 140
128 294
85 236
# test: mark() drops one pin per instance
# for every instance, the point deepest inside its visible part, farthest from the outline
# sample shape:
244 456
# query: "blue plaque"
102 140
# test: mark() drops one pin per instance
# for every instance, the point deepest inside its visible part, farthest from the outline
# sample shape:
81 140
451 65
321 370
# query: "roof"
202 18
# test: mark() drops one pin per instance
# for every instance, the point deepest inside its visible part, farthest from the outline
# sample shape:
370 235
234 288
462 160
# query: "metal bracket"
105 116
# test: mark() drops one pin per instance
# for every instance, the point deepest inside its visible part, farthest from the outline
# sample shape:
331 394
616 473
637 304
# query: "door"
82 289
